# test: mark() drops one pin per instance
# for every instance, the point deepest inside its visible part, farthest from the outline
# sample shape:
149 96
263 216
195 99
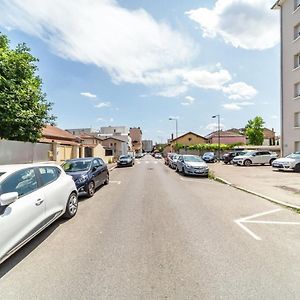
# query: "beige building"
136 139
187 139
290 74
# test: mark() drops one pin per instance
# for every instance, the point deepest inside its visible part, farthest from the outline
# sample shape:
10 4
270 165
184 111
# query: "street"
155 234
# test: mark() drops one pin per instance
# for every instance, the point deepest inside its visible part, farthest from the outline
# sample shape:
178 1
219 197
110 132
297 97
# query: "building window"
297 146
190 139
297 90
297 31
297 119
297 60
297 4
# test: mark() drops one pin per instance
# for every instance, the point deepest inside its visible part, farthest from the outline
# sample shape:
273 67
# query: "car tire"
176 170
91 189
297 168
71 206
106 181
271 161
225 162
247 162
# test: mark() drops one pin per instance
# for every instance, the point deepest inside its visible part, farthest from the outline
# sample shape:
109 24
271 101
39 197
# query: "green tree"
255 131
24 109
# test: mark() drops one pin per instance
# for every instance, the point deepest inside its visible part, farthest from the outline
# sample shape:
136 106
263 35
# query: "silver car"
192 165
32 196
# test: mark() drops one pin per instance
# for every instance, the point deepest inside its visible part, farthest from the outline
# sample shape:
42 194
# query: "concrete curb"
219 179
112 168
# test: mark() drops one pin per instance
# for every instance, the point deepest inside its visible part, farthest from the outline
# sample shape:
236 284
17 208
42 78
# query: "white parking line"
248 220
115 182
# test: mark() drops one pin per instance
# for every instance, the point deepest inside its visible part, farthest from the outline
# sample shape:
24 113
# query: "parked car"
173 161
209 157
125 161
290 162
158 156
32 197
192 165
168 157
139 155
228 157
88 173
255 157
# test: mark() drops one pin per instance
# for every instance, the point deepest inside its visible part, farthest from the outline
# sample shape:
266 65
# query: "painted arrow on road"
241 222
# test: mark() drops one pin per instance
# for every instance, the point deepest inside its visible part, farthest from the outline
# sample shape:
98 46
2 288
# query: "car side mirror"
8 198
94 169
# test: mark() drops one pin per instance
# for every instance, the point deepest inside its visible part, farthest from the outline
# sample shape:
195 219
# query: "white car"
255 158
290 162
157 155
32 196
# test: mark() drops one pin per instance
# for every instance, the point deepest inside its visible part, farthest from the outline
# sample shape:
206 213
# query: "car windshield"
76 166
244 153
192 159
208 154
294 155
125 157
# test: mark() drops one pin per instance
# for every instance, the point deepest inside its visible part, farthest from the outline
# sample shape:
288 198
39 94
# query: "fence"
14 152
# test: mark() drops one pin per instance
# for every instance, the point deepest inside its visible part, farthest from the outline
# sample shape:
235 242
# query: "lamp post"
218 116
176 120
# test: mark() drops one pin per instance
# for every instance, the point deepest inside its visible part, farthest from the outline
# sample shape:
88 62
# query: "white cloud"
232 106
111 120
188 101
102 104
88 94
173 91
100 119
207 80
129 44
240 91
214 126
248 24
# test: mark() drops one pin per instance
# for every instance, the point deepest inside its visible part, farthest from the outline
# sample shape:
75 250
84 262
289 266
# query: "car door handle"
39 202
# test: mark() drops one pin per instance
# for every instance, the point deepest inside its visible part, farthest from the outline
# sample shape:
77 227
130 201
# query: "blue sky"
136 63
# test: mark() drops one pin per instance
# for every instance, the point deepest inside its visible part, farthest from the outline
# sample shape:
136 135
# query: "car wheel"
91 189
106 182
297 168
72 206
225 162
247 162
271 161
177 170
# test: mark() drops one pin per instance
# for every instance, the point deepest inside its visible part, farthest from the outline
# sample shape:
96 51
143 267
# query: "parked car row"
187 164
33 196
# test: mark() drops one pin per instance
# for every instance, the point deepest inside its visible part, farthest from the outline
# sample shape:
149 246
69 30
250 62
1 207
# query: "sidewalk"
280 187
110 167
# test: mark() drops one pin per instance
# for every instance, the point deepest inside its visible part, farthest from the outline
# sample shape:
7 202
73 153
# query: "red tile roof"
52 132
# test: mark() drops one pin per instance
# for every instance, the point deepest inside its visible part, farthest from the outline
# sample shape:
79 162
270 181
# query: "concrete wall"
14 152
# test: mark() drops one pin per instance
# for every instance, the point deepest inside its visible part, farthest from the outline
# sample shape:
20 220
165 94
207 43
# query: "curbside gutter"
112 168
219 179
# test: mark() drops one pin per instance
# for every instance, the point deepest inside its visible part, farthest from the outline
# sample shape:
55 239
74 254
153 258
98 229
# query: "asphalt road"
154 234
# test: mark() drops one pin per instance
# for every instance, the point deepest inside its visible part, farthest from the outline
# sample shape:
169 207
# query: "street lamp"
176 120
218 116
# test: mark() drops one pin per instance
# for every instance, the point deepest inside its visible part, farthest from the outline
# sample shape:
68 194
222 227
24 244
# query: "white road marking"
115 182
147 161
138 162
193 180
155 162
248 220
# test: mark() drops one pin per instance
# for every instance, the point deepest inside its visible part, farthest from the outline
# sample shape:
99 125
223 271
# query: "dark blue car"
88 173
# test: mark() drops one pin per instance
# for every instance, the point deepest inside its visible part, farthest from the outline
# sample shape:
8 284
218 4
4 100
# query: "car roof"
16 167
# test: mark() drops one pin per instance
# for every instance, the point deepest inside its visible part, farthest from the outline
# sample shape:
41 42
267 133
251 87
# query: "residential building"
187 139
147 145
290 74
136 139
118 132
226 137
65 144
116 145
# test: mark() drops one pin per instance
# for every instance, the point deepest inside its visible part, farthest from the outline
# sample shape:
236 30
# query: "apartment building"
136 139
290 74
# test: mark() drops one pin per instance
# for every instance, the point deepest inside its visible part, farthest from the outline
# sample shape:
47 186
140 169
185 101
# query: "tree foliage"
24 109
255 131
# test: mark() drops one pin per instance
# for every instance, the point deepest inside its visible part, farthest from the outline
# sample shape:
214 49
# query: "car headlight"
188 166
82 179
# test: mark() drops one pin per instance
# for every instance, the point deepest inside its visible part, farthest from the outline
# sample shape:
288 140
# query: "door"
21 219
97 172
54 189
103 170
